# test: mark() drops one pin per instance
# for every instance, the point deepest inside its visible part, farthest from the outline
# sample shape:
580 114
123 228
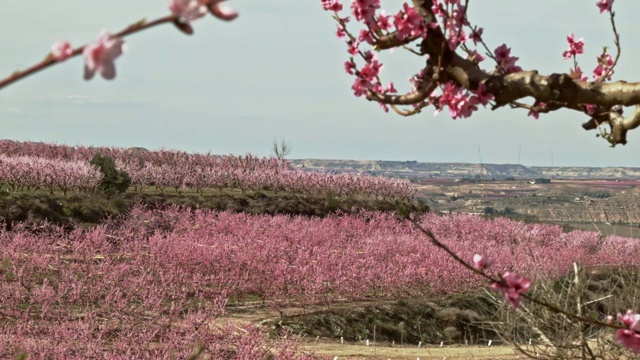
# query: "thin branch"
50 61
418 108
616 40
413 97
459 260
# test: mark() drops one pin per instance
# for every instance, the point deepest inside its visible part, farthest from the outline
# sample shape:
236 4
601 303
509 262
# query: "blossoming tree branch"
453 78
457 76
100 55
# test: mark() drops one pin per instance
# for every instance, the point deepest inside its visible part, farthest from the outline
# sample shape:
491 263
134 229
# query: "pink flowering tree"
463 73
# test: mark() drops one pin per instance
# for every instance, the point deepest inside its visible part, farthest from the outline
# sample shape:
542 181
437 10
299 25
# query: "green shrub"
113 181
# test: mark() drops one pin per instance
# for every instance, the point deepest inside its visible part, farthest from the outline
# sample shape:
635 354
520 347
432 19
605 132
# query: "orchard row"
59 167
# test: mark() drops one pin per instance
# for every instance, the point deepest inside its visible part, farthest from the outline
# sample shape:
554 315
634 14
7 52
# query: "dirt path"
330 350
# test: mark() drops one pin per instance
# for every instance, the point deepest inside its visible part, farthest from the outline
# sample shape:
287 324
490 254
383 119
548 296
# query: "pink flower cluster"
513 285
506 62
605 63
629 337
605 5
482 262
364 11
100 55
454 22
462 103
576 47
409 23
367 77
332 5
190 10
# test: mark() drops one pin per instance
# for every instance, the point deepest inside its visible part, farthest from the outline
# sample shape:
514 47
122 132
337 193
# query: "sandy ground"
359 351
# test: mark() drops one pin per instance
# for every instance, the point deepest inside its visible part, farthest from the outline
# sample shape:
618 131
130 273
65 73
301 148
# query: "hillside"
461 170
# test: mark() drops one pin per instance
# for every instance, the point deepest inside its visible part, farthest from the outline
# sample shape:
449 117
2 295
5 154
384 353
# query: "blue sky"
276 72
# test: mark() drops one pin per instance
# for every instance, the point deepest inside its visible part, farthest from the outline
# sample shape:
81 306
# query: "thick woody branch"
621 125
561 88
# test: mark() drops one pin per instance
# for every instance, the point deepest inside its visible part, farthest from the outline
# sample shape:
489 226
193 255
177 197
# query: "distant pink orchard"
482 262
61 50
576 47
100 55
188 10
605 5
515 285
630 337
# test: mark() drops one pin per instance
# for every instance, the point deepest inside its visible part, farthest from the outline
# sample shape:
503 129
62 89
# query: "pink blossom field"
156 283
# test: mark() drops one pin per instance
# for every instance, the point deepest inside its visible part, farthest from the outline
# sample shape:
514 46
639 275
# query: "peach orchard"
461 72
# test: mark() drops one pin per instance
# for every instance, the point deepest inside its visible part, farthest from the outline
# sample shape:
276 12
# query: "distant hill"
414 169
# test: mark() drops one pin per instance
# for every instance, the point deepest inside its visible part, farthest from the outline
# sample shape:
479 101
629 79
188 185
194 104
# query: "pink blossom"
605 63
630 337
390 89
363 10
506 62
332 5
349 66
605 5
340 33
576 47
384 21
360 86
409 23
482 262
221 11
512 287
365 36
476 35
61 50
483 95
502 53
371 70
591 109
100 55
459 101
475 56
353 47
189 10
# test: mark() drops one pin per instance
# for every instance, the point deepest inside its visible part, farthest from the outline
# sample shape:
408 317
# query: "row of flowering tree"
40 173
38 165
221 176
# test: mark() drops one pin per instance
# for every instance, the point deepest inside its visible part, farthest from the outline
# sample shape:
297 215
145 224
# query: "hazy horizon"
277 72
